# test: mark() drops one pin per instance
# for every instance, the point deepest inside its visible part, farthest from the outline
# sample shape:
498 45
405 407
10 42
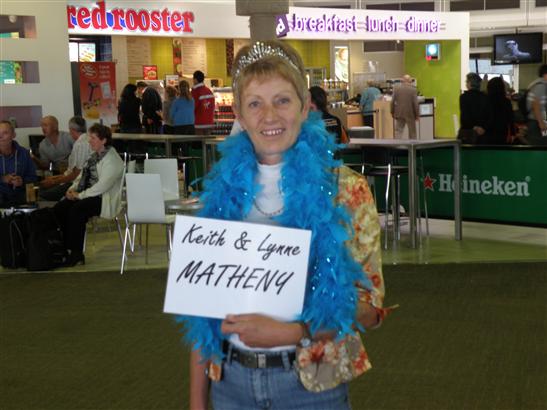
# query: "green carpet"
467 336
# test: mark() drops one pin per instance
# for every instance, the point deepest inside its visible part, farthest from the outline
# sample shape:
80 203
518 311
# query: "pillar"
262 14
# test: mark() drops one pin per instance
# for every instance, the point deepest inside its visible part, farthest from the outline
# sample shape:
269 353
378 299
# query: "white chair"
167 169
145 205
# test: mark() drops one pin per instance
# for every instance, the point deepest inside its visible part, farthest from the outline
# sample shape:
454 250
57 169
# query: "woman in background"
500 123
129 110
319 103
182 111
96 191
170 96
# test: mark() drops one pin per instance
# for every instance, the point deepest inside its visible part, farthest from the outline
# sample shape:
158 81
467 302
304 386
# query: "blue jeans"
272 388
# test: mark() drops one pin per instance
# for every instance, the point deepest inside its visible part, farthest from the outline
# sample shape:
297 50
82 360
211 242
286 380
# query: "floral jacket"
325 364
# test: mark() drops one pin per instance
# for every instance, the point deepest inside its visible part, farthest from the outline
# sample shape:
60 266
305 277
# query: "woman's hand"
72 195
262 331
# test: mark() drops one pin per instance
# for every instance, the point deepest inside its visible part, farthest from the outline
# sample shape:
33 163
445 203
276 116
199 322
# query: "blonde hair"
184 90
51 119
283 62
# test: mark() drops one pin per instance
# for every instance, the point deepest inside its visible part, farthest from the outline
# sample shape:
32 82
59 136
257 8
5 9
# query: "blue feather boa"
309 187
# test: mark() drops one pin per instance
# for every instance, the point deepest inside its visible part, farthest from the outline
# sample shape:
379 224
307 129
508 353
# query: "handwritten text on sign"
221 267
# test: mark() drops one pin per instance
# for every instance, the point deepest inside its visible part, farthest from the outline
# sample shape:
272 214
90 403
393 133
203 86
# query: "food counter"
349 115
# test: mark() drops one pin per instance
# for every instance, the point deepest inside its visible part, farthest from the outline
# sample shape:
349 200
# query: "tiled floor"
481 243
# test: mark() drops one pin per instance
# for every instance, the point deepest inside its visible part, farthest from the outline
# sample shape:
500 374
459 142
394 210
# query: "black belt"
256 360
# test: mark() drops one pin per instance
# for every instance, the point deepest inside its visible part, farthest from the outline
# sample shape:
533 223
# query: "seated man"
54 187
17 168
55 147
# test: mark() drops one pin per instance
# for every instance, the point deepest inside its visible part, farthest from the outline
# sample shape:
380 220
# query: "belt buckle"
261 361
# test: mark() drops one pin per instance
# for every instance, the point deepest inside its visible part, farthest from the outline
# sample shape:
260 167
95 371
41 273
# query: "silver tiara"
257 52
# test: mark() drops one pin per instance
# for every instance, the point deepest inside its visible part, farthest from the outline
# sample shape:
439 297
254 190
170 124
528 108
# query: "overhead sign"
152 18
129 19
358 24
224 267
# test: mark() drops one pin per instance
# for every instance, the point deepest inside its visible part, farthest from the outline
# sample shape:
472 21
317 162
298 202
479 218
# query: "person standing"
170 96
473 110
54 187
404 108
55 148
17 168
129 111
281 171
370 94
182 111
204 105
151 108
536 105
500 123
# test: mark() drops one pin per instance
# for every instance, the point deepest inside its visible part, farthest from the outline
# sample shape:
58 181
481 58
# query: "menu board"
194 56
139 53
150 72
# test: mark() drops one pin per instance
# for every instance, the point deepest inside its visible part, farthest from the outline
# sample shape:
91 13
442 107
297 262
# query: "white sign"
223 267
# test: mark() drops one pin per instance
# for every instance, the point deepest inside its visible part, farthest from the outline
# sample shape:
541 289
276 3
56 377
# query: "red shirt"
204 106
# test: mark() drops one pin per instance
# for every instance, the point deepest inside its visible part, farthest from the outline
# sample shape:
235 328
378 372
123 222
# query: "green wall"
439 79
313 53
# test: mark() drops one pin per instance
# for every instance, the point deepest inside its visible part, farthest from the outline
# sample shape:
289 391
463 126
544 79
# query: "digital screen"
86 52
520 48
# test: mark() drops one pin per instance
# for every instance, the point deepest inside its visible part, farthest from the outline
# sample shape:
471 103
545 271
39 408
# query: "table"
168 140
412 146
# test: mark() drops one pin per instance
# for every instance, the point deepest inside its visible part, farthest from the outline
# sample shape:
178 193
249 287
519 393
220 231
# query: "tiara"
257 52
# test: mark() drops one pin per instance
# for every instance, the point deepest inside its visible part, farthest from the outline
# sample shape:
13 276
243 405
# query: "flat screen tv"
522 48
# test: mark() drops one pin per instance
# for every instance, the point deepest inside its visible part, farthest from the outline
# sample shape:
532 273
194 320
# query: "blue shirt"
18 163
182 112
370 94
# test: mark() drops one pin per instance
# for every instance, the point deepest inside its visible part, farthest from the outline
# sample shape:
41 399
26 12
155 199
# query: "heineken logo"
490 186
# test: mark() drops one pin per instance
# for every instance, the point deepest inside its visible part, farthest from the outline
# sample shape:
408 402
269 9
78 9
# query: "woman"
473 111
500 123
281 171
128 110
319 103
170 96
182 111
96 191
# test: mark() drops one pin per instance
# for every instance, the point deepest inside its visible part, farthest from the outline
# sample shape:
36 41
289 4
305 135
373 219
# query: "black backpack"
14 230
46 247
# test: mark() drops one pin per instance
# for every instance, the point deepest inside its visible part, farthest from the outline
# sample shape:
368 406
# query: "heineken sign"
491 186
498 185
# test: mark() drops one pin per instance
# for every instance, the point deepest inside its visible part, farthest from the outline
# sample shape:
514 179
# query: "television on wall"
522 48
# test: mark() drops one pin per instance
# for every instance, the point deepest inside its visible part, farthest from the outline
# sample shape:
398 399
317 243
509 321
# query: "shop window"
12 26
501 4
22 116
466 5
19 72
541 3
